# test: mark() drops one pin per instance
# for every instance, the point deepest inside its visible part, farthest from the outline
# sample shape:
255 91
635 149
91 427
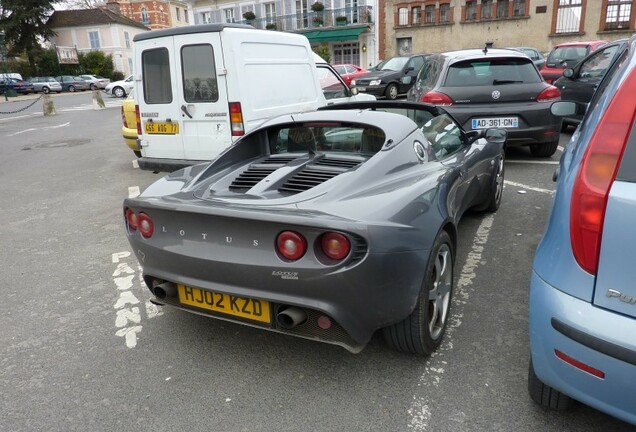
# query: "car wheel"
119 92
545 395
423 330
71 88
545 149
137 153
391 92
46 90
93 87
496 192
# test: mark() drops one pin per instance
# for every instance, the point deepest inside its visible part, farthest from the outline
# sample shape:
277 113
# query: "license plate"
362 89
247 308
498 122
162 128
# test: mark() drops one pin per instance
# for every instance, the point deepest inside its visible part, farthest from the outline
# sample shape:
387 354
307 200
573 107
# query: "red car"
566 55
349 72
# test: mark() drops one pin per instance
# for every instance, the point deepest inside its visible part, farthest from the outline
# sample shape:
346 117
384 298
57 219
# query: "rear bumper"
594 336
166 165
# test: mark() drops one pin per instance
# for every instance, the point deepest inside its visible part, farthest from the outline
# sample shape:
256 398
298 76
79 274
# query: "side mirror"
495 135
568 108
409 69
568 73
354 90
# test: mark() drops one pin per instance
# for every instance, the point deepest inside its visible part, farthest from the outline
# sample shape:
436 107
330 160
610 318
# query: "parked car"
45 85
17 85
492 88
349 72
582 291
565 55
96 81
535 55
579 83
290 227
72 83
120 88
391 77
129 119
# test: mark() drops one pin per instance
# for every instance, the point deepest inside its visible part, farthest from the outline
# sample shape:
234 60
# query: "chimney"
113 6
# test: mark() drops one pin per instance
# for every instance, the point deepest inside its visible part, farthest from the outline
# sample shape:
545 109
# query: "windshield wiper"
497 82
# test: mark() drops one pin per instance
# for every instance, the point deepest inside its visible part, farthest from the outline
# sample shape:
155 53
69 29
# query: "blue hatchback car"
583 288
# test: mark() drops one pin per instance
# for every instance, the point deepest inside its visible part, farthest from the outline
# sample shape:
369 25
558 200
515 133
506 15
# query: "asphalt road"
72 360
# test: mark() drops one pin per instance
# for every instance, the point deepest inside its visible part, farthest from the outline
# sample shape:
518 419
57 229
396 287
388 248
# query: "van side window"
156 72
199 74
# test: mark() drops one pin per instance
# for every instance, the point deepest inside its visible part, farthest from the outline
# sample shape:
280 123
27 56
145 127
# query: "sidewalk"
31 96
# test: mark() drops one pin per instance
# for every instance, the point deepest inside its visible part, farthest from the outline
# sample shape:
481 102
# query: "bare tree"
83 4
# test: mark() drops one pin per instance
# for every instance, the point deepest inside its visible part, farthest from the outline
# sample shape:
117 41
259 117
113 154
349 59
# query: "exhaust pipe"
166 289
290 317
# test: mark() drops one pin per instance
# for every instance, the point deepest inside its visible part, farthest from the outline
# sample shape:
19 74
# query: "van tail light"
236 119
551 94
437 98
123 117
291 245
596 175
335 245
138 118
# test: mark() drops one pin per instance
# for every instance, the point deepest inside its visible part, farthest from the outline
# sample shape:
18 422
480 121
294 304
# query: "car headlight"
375 82
353 82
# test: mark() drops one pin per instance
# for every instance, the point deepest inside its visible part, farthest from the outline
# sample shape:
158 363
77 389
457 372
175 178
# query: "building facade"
156 14
347 27
442 25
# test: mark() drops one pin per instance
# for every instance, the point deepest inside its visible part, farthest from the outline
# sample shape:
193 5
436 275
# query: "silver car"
45 84
96 81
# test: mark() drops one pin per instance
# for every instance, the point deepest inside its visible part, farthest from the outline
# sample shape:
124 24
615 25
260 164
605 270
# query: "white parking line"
535 162
531 188
419 412
133 192
35 129
135 163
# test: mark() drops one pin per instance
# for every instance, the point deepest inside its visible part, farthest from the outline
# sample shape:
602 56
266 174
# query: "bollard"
47 105
98 101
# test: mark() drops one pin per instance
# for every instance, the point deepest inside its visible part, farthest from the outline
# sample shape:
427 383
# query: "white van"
200 88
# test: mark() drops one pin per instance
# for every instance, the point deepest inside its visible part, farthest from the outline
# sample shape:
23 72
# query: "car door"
588 74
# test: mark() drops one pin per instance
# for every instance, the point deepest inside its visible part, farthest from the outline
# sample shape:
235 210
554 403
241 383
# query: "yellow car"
129 128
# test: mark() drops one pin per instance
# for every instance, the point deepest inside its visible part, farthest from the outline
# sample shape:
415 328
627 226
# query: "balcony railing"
315 20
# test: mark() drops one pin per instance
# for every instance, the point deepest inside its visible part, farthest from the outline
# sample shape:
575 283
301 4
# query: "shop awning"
335 35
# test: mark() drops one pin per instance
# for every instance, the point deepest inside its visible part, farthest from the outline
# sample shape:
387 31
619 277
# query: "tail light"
437 98
138 119
141 222
550 94
291 245
596 175
123 117
236 119
335 245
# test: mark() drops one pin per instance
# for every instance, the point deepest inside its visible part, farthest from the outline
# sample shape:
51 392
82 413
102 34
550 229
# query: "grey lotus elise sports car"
327 225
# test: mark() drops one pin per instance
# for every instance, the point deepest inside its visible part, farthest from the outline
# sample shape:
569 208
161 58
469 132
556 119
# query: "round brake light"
145 225
335 245
131 219
291 245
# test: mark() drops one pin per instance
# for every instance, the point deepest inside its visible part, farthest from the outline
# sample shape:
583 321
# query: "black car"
492 88
391 77
579 83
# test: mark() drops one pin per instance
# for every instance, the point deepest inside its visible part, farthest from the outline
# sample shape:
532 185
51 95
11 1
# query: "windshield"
566 54
394 64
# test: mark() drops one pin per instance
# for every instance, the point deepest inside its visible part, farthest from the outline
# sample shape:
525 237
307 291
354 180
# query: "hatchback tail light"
236 119
596 175
335 245
138 119
550 94
291 245
437 98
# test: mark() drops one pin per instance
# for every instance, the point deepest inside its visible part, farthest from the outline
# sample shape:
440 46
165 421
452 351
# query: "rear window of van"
156 73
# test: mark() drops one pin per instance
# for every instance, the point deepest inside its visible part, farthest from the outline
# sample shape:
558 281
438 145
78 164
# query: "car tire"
137 153
422 331
545 149
71 88
545 395
93 87
391 91
46 90
496 192
119 92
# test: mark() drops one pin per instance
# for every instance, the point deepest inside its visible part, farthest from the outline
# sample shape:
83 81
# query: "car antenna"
489 44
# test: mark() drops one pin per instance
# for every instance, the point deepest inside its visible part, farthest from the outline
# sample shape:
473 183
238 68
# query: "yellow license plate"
247 308
163 128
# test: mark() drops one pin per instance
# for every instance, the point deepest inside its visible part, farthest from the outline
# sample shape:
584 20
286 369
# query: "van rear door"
183 106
